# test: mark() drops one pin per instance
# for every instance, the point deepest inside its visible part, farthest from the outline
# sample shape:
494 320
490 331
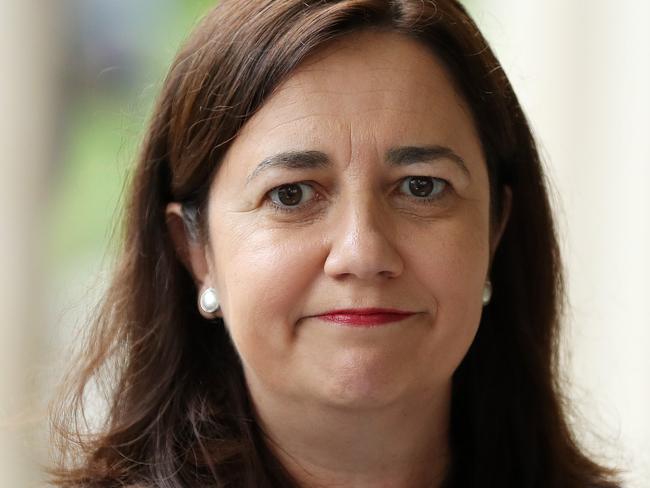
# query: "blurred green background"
117 53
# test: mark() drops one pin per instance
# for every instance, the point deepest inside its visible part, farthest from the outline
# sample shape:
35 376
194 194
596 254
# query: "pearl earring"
487 292
209 301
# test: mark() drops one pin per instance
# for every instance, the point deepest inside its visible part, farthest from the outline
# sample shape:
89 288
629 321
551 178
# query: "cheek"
264 274
451 264
457 260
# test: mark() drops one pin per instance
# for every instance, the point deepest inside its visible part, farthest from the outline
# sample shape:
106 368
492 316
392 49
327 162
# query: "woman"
339 266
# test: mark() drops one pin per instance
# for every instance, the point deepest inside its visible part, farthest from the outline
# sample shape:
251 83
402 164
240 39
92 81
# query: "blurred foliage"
102 128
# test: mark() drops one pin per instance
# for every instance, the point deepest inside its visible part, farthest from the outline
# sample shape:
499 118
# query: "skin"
347 406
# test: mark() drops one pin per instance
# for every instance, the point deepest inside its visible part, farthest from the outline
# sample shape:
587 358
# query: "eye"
289 197
425 188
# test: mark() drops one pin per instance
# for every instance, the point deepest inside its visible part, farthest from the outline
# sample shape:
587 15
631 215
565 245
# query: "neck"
402 445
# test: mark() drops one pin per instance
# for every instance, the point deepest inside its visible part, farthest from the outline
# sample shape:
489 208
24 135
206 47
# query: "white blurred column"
582 71
28 99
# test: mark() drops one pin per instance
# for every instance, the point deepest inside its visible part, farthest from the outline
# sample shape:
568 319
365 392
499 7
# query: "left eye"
290 195
423 187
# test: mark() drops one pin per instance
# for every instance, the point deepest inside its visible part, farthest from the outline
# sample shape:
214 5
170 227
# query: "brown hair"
179 414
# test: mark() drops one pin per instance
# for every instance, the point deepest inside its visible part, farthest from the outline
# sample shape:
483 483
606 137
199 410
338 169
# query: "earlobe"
190 251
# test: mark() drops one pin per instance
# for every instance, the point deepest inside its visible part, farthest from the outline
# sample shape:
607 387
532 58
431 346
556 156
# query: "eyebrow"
397 156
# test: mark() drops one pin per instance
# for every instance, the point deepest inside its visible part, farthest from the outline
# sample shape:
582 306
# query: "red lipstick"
365 317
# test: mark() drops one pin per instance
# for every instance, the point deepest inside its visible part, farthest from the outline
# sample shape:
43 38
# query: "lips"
367 317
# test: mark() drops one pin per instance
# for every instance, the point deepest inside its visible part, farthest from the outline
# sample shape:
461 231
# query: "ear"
190 251
506 206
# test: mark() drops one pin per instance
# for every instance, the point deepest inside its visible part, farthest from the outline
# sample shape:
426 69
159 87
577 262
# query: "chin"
360 388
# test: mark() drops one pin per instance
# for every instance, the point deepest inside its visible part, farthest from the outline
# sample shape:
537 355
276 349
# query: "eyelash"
296 208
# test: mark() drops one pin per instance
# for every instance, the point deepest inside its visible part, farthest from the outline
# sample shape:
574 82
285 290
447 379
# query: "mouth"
365 317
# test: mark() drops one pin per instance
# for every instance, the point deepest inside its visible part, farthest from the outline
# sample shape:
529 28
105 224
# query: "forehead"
366 92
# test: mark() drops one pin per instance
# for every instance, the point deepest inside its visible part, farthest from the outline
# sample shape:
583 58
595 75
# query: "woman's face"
360 183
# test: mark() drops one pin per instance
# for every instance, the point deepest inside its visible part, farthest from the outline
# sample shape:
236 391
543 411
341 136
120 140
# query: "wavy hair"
178 412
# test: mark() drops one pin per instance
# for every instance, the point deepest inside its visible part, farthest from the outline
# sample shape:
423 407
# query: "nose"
362 244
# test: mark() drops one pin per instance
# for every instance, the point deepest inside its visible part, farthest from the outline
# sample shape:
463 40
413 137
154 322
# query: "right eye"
288 197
